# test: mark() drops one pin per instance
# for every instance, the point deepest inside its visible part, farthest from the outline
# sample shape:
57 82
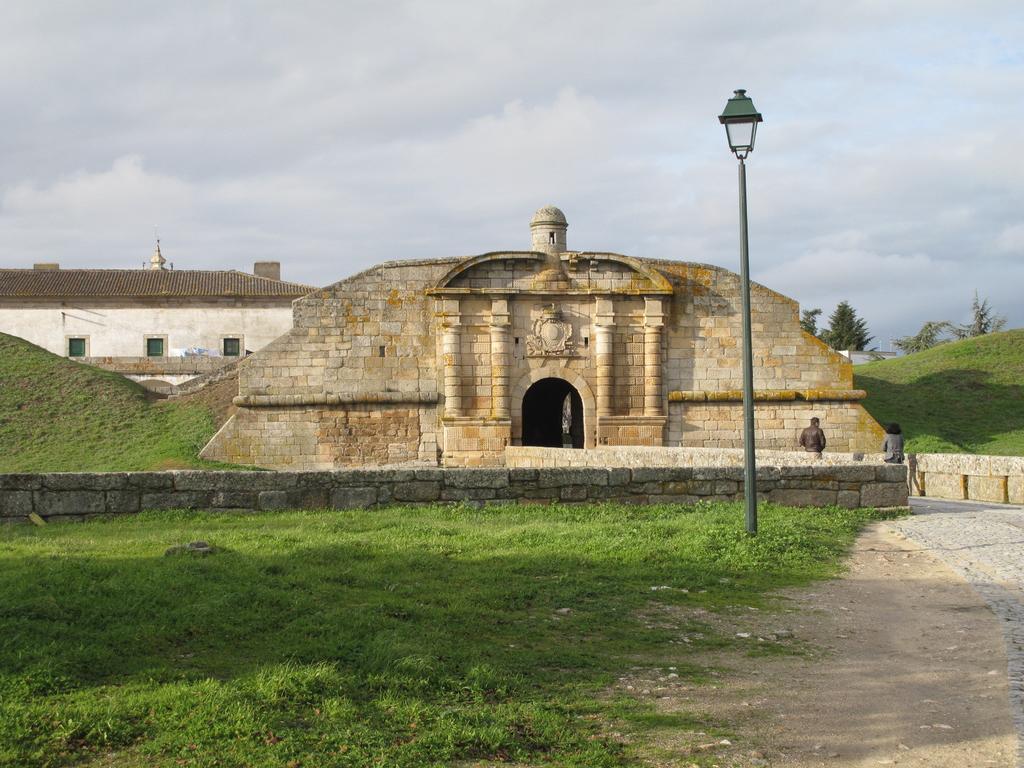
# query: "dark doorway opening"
553 415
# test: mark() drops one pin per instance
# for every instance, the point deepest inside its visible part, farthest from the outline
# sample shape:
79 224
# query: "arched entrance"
553 415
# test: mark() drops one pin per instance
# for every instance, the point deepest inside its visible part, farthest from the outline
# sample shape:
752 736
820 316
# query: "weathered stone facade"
452 360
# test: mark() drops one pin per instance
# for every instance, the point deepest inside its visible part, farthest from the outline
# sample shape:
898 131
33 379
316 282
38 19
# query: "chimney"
268 269
47 266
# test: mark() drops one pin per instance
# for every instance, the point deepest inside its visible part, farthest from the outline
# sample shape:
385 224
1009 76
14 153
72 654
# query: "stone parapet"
653 456
159 366
80 496
967 477
778 421
207 379
766 395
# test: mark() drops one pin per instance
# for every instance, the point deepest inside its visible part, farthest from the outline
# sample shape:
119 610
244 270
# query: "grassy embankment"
960 397
400 637
57 415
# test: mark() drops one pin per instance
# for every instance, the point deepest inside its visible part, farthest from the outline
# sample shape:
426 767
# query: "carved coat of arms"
552 335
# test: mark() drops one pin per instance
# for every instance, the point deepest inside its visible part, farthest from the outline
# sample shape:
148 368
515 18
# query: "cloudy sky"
335 135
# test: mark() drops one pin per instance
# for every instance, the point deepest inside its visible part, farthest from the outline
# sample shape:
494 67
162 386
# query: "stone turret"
548 227
157 260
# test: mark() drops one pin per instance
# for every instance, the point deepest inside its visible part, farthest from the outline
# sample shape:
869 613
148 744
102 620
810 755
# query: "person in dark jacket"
892 446
812 439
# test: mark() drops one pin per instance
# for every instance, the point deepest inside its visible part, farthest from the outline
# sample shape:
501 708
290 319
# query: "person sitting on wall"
812 439
892 446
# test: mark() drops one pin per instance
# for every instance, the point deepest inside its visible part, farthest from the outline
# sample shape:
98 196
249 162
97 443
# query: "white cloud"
1011 240
106 197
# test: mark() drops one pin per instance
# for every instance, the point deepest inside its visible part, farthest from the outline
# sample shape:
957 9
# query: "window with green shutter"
154 347
76 347
232 347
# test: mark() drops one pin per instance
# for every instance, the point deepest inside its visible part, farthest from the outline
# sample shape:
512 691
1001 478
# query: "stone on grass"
194 548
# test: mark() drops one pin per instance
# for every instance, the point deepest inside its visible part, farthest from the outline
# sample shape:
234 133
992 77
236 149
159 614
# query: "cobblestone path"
985 545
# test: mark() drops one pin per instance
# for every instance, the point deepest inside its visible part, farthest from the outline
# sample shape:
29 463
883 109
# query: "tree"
809 320
929 336
846 330
984 321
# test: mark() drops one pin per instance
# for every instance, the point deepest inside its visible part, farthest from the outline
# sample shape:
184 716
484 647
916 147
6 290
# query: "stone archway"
553 415
588 428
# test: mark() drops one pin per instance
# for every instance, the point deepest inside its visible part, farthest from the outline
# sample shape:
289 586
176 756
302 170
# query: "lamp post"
740 120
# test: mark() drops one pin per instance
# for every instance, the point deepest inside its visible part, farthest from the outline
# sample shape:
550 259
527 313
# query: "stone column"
604 328
501 357
654 321
451 356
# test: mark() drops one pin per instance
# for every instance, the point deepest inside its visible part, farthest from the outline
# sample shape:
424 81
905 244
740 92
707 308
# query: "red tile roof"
142 283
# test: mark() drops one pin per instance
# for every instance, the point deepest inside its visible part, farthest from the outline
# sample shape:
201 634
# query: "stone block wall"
777 425
193 365
704 332
628 353
968 477
704 366
321 395
80 496
204 380
373 332
647 456
631 430
474 442
326 435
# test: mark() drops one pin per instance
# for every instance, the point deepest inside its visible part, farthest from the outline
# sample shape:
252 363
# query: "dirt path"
905 665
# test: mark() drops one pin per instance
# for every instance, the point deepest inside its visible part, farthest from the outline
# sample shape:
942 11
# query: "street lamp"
740 120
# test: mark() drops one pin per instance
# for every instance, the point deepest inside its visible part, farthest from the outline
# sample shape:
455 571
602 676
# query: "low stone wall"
656 456
192 365
164 375
964 476
207 379
78 496
719 423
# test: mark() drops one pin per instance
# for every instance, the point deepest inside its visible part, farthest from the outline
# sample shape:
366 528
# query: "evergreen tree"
928 337
809 320
984 321
846 330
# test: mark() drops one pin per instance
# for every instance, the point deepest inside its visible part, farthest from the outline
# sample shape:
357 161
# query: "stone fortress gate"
451 360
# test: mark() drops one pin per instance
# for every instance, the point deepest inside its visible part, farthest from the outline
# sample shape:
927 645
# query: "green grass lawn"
961 397
57 415
397 637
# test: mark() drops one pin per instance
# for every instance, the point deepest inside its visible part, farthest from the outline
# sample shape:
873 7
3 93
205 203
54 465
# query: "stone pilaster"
451 355
654 321
501 357
604 327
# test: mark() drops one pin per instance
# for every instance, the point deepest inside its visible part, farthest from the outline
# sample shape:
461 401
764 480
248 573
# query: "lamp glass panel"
741 135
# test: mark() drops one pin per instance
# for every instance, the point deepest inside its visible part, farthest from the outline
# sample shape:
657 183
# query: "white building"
155 323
